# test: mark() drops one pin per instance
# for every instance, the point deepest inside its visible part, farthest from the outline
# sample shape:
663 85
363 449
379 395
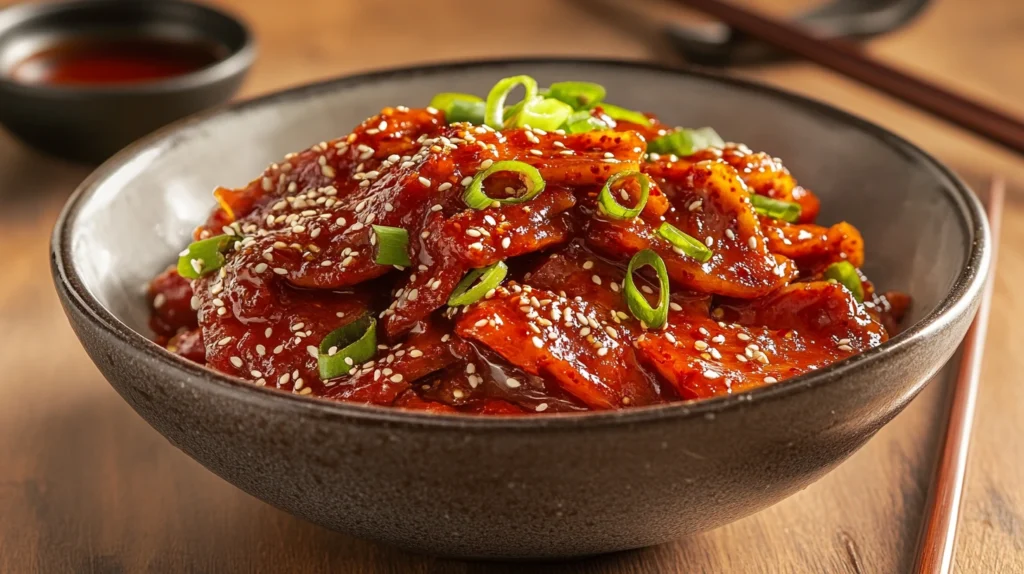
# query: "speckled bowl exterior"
539 486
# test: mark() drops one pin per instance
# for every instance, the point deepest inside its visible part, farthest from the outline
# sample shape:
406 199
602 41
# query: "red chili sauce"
100 61
557 334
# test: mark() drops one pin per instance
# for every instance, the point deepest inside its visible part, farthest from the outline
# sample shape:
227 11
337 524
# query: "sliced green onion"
204 256
617 113
477 283
775 208
579 95
544 113
638 305
495 108
459 107
352 344
844 272
611 207
583 121
684 142
392 246
477 199
689 245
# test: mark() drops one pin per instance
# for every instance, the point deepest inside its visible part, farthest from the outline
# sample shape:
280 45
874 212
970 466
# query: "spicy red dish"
560 254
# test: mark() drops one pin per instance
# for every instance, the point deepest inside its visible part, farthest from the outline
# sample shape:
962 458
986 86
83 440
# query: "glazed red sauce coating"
556 335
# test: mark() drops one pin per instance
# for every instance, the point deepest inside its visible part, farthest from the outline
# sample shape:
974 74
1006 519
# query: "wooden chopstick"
938 532
849 60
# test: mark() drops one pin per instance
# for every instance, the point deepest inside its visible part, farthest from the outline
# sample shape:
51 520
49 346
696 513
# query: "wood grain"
87 486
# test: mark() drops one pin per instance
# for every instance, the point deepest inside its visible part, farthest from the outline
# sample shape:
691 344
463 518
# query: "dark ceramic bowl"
541 486
91 123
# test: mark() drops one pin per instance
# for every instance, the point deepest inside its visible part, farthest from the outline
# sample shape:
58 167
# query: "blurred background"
91 488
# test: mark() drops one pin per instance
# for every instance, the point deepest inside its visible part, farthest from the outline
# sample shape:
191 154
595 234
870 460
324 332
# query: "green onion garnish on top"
638 305
494 111
617 113
458 107
683 142
204 256
392 246
684 244
583 121
477 283
611 207
475 197
775 208
547 114
579 95
346 347
845 273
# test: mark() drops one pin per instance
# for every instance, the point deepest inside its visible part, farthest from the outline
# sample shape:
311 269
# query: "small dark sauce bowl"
90 122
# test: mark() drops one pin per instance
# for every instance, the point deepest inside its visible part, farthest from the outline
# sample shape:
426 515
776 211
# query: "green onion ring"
611 207
475 197
638 305
845 273
392 246
485 279
617 113
458 107
353 344
495 108
688 244
583 121
579 95
204 256
683 142
547 114
775 208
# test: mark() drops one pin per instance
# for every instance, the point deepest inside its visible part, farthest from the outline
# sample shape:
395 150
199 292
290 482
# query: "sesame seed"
486 164
512 383
236 361
846 348
709 374
538 342
280 271
752 242
480 323
595 279
424 181
602 351
770 380
396 378
313 351
709 241
700 345
542 407
730 234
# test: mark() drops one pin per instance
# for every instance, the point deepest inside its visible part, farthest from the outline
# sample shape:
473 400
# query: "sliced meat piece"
470 239
394 132
170 298
394 369
258 328
568 341
701 359
189 344
711 204
761 172
813 247
411 401
820 309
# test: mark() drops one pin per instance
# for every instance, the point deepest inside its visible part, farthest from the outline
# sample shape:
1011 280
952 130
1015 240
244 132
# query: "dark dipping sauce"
104 61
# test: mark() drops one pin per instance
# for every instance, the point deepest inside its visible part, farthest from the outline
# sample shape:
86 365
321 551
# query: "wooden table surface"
87 486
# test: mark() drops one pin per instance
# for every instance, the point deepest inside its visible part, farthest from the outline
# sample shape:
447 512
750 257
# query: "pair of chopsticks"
937 536
847 59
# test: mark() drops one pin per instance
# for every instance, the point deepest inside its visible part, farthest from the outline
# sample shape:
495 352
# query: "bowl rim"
958 301
238 60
